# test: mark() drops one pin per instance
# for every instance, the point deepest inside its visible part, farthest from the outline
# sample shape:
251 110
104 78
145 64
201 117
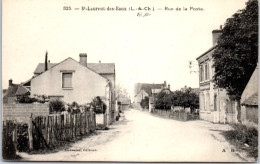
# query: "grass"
244 138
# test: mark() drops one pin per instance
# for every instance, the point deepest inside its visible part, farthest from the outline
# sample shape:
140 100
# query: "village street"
141 136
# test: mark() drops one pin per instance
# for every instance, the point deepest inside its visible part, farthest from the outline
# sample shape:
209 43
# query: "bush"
32 99
56 106
145 103
22 137
26 99
242 135
99 107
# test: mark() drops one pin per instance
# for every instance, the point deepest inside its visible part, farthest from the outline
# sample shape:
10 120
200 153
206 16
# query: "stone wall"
22 112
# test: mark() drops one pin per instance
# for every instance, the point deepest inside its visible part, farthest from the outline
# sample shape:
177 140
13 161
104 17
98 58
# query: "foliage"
73 107
242 135
186 99
26 99
32 99
56 106
164 101
145 102
99 107
22 137
236 55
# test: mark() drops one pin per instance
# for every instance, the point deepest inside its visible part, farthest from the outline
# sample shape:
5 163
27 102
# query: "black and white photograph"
130 81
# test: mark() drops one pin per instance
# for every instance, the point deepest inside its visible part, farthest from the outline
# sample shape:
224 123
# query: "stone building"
215 105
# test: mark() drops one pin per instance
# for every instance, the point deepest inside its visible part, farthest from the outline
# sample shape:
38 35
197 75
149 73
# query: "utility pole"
193 66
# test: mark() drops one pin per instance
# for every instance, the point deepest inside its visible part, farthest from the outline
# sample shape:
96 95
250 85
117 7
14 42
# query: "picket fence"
53 130
46 131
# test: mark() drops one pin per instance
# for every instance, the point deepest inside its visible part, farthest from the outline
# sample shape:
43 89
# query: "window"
201 73
206 72
66 80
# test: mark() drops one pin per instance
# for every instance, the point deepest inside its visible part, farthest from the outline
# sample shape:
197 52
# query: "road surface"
141 136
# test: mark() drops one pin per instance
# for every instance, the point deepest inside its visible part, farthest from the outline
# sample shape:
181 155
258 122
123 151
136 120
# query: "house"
146 89
140 96
123 103
13 92
71 81
249 101
215 105
166 90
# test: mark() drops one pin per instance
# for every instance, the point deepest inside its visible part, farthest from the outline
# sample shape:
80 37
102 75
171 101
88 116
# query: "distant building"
143 90
215 105
13 92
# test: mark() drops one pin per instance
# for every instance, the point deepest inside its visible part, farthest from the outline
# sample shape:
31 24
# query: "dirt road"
140 136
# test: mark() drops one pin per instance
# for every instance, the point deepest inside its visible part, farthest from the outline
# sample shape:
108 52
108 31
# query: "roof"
100 68
164 89
10 92
212 48
21 91
148 87
41 67
252 100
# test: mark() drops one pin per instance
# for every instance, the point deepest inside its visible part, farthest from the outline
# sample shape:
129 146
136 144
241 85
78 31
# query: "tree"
186 99
236 54
164 101
145 103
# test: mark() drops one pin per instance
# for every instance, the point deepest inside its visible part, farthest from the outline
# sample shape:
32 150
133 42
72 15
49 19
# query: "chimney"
165 86
46 63
169 86
10 82
215 35
83 59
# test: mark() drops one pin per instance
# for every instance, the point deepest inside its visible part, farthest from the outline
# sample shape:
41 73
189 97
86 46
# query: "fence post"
15 136
30 133
95 122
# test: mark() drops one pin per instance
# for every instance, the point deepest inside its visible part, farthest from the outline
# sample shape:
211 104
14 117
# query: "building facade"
215 105
78 81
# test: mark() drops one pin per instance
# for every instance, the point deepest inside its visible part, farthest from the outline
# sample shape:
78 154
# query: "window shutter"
67 80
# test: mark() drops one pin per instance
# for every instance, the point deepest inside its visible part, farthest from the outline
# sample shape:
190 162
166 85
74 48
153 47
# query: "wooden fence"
51 131
9 140
176 115
46 131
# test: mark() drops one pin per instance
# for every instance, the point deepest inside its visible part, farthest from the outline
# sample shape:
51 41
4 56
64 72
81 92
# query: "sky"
149 49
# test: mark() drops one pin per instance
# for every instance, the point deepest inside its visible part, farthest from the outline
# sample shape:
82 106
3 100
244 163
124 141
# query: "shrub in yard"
99 107
26 99
22 137
74 107
145 102
56 106
244 138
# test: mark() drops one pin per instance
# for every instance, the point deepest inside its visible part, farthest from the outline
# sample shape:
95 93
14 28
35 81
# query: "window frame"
62 79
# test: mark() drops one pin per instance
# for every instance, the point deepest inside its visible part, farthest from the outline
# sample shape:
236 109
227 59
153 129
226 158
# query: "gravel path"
140 136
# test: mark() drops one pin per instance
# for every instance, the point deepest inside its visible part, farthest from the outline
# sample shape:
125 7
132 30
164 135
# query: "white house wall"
208 111
86 84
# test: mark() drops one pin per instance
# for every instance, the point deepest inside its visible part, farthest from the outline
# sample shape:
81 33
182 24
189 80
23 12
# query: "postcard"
130 81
